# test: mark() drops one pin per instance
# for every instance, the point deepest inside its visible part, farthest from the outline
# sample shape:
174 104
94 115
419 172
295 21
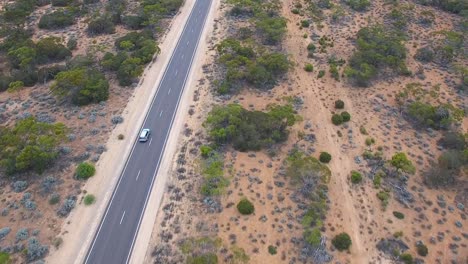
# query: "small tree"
325 157
245 207
422 249
402 163
89 199
85 170
342 241
356 177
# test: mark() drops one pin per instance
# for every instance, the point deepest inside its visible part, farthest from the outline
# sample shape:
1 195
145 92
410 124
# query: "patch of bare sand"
83 221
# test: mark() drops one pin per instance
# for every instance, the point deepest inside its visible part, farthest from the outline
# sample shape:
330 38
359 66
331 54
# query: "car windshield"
143 133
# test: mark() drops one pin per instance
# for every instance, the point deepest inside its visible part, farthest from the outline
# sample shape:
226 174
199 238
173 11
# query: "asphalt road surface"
116 234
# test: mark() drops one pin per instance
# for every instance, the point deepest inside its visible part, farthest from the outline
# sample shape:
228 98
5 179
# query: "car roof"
144 132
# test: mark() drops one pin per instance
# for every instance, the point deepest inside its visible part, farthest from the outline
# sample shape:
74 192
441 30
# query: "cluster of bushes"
310 176
101 25
343 117
136 49
445 47
358 5
342 241
16 12
58 19
438 117
81 86
451 162
245 64
249 130
201 250
453 6
30 145
377 48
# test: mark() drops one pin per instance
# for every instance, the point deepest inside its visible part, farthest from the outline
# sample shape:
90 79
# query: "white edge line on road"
138 175
160 114
151 140
176 72
134 144
172 120
121 219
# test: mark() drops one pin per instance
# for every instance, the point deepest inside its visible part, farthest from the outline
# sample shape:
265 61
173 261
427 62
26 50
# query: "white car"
144 135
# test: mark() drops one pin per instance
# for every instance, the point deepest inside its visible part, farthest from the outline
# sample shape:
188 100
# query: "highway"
115 237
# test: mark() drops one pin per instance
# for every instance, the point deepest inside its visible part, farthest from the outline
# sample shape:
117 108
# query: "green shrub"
377 48
57 20
54 199
454 140
16 12
356 177
313 237
89 199
50 49
46 74
337 119
214 182
398 215
346 116
72 44
85 170
305 23
134 22
342 241
308 67
271 28
245 207
81 86
439 117
272 250
101 25
401 162
325 157
339 104
30 145
406 258
377 180
358 5
383 196
321 74
206 258
311 48
206 151
422 249
370 141
5 258
249 130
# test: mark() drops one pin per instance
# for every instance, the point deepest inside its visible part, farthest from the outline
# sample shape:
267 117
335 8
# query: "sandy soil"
356 210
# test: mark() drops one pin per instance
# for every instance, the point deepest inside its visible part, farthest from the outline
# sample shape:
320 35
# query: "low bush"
272 250
438 117
35 250
406 258
325 157
337 119
61 3
342 241
4 232
54 199
272 28
339 104
358 5
57 20
398 215
356 177
101 25
89 199
206 151
454 140
50 49
384 197
346 116
245 207
321 74
67 206
309 67
21 234
424 54
214 181
422 249
85 170
206 258
370 141
305 23
313 237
